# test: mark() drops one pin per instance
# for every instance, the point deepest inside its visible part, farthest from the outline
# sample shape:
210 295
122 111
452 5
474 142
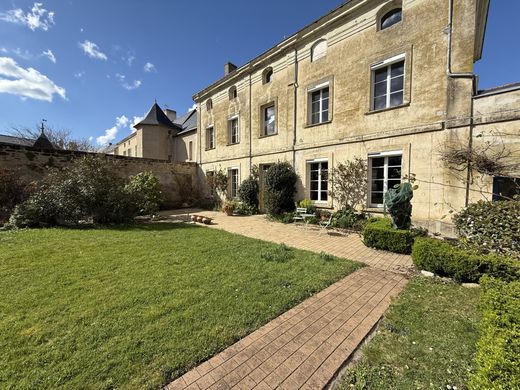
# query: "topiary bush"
461 264
499 346
280 187
380 234
145 189
248 194
491 227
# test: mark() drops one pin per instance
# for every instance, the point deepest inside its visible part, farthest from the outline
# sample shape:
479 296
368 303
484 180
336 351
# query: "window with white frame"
319 99
319 180
210 138
233 130
385 173
269 119
319 50
388 83
233 182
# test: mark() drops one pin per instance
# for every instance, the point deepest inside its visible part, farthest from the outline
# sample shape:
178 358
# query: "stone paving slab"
306 346
348 246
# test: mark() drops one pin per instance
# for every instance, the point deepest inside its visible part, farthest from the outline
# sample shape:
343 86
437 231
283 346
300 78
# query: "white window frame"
321 87
210 145
319 161
386 156
264 122
233 190
386 64
230 130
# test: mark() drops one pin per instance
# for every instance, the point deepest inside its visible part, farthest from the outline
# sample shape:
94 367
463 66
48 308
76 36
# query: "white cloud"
192 108
92 50
50 55
129 58
125 84
149 67
26 83
37 18
111 134
135 121
90 138
80 74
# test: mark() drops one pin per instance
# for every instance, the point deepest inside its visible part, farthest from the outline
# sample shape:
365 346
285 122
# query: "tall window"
269 120
190 150
210 138
385 173
233 93
319 181
319 50
388 84
129 153
234 134
319 105
391 18
233 182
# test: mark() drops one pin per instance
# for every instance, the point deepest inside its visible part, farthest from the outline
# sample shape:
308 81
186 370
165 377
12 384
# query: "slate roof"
157 117
188 122
9 139
501 88
42 142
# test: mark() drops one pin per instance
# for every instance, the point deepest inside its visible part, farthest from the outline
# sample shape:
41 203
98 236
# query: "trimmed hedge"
380 234
499 346
462 265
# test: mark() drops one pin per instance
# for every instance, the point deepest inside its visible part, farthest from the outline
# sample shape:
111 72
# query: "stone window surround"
308 92
261 109
385 9
267 72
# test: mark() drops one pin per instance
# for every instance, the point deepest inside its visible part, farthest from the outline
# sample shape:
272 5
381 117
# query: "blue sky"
92 66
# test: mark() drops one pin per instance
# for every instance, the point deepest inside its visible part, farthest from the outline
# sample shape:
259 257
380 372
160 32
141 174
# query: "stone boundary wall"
181 184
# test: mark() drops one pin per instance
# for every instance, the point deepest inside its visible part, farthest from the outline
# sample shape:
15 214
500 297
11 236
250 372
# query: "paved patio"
349 246
305 347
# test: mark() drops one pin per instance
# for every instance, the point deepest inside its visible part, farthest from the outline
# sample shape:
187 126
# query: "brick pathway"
306 346
348 246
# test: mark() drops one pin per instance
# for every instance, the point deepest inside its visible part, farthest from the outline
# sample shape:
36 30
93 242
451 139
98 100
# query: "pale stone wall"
181 181
181 147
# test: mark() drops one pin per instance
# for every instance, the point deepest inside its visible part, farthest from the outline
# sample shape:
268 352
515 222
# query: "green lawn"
426 341
136 307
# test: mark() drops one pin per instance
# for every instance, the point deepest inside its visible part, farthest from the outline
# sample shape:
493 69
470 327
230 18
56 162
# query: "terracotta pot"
206 221
200 218
194 218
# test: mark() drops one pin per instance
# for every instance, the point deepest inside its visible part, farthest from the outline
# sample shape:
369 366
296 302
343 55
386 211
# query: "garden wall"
181 184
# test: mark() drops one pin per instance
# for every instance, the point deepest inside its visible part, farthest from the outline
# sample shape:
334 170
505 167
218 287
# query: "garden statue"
399 206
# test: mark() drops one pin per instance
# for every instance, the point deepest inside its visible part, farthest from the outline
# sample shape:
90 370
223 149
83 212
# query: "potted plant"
229 207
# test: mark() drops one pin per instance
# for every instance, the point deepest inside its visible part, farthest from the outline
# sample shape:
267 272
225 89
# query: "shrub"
248 193
89 189
280 187
243 209
463 265
380 234
12 192
308 205
491 227
145 190
499 345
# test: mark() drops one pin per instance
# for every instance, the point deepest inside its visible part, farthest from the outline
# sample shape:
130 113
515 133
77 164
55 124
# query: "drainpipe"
295 116
250 127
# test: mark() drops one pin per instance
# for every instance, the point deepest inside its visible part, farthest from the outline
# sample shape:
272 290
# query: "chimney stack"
171 114
228 68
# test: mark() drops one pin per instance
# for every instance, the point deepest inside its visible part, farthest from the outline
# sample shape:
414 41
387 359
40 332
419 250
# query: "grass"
427 340
136 307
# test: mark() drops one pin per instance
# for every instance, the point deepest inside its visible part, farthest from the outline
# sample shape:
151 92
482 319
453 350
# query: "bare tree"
60 138
350 183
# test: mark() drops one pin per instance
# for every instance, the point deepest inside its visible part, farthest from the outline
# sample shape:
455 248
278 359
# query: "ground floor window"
385 173
233 182
319 181
505 187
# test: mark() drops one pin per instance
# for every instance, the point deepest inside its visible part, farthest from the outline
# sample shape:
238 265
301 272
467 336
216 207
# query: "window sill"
208 149
387 109
236 143
267 135
308 125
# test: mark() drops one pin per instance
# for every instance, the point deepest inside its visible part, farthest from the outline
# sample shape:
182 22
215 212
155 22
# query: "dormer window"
267 76
233 93
319 50
390 18
209 105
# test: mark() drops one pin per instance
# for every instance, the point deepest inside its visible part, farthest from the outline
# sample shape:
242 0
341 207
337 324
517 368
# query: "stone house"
391 81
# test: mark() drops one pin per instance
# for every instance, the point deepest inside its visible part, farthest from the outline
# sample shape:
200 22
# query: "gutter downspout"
250 127
295 116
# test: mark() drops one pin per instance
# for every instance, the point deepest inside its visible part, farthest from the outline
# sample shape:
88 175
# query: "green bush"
461 264
308 205
348 218
248 194
280 187
146 192
380 234
491 227
89 189
498 349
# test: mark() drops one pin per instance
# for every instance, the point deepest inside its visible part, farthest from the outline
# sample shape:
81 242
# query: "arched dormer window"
319 50
233 93
392 17
209 105
267 76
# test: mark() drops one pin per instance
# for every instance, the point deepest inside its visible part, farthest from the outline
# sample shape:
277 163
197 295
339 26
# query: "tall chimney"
171 114
228 68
